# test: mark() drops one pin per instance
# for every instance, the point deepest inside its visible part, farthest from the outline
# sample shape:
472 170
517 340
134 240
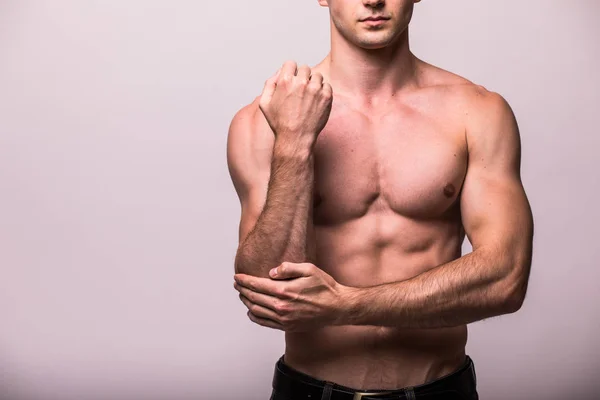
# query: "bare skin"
365 215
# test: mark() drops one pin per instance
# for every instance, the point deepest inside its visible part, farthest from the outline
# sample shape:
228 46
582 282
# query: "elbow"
513 303
247 263
239 264
514 290
508 301
518 267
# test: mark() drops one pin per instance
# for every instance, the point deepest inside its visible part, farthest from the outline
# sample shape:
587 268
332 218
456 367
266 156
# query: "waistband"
294 384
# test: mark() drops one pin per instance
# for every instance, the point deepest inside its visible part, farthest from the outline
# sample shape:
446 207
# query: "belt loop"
327 391
410 393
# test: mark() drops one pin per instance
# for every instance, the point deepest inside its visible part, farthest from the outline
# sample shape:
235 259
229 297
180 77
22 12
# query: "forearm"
282 230
465 290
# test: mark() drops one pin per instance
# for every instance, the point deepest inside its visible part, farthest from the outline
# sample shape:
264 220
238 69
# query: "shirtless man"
358 179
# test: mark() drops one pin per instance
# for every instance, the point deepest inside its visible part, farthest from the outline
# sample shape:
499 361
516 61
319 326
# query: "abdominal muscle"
376 357
371 357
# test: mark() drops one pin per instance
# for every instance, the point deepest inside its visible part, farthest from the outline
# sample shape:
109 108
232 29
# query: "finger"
269 90
288 71
257 284
288 270
257 298
304 73
317 79
327 90
259 310
316 82
264 322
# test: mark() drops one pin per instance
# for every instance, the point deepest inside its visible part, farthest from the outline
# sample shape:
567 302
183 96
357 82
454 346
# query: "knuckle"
290 64
281 307
301 83
313 88
281 292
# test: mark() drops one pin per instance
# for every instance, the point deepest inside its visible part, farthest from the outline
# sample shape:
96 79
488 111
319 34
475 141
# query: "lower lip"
375 23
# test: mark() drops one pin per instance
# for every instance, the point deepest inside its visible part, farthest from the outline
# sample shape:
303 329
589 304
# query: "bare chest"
406 163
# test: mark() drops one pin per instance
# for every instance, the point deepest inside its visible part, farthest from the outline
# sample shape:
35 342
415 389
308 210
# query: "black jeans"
290 384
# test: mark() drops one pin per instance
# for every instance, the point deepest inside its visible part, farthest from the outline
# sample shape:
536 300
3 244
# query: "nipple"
449 190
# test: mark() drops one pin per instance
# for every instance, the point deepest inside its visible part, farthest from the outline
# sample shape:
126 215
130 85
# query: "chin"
373 43
372 46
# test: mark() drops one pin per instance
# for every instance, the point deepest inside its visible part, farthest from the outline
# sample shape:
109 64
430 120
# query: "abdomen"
376 357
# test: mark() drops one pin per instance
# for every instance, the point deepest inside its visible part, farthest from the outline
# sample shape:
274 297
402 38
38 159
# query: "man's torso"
387 208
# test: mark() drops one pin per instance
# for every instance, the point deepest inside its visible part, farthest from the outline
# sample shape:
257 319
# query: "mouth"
374 19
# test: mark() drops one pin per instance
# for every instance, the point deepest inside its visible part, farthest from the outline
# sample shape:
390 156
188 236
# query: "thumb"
288 270
269 89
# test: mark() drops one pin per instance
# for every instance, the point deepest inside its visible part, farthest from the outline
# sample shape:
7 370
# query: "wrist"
352 300
296 148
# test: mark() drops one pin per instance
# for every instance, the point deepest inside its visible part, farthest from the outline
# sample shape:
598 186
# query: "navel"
449 190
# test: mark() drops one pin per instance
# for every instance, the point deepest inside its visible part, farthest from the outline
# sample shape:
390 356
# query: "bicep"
249 152
495 211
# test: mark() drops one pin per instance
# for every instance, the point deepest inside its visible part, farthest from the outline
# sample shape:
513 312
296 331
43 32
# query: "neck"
370 74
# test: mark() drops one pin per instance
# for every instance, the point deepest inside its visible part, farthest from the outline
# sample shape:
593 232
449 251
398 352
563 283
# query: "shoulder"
484 116
491 130
249 127
477 105
489 119
483 105
471 98
249 146
245 122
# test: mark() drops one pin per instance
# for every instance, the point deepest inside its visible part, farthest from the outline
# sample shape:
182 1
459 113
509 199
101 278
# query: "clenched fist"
296 103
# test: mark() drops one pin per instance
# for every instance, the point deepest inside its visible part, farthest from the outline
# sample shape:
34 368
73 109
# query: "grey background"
118 220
